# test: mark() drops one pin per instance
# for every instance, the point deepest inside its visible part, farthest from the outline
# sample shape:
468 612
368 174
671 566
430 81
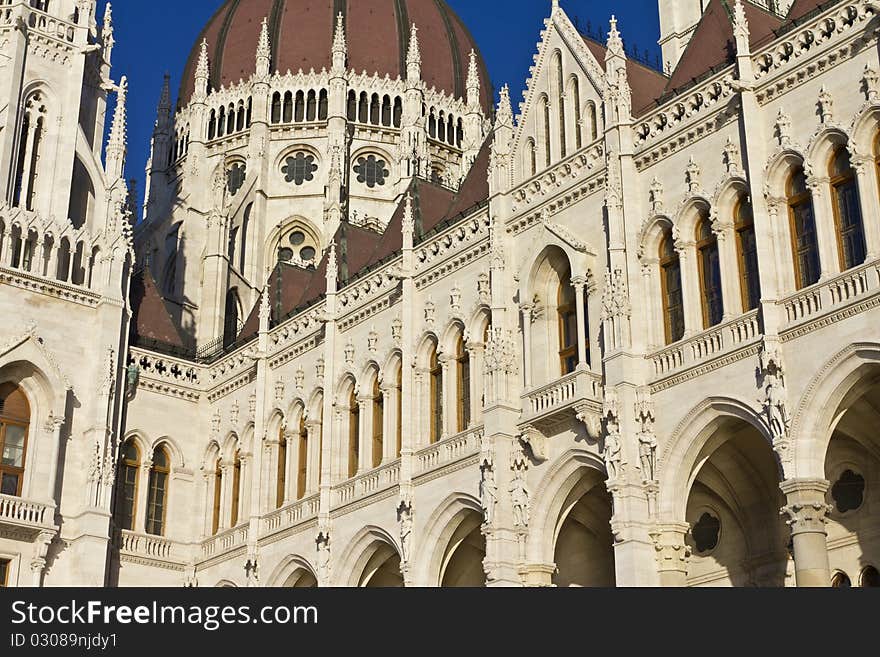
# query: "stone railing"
848 287
708 344
291 515
449 450
18 511
562 394
225 541
367 483
164 367
151 547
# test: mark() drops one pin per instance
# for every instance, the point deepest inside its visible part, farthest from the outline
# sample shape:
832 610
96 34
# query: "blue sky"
155 37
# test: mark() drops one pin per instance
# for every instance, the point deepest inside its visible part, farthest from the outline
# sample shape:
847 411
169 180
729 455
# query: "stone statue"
519 497
404 513
612 455
323 542
777 416
488 492
648 454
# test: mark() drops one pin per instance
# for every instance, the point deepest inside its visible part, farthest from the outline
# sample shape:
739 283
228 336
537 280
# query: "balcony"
557 402
144 546
224 542
26 519
291 515
367 484
827 301
450 450
707 346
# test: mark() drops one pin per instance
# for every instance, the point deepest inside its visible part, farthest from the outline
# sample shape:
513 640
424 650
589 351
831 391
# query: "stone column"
140 520
476 351
365 434
690 288
729 270
450 390
579 283
672 553
655 338
390 438
53 431
9 243
806 512
869 197
313 470
208 515
291 466
826 233
526 310
51 257
38 562
225 507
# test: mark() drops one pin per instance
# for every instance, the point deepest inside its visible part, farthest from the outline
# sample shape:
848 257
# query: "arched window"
288 107
236 489
323 105
303 458
230 324
432 125
592 121
378 423
352 106
847 211
463 383
15 417
576 104
212 125
374 109
802 220
386 110
531 158
364 108
398 111
245 224
840 581
670 281
870 578
747 254
128 486
548 157
218 495
435 373
221 122
566 308
560 103
157 494
299 108
710 273
441 126
281 474
311 107
276 107
354 433
240 117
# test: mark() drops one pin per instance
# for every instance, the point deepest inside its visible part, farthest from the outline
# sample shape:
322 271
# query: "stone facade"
621 336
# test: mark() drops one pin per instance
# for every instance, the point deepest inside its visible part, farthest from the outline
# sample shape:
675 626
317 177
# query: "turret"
473 124
413 151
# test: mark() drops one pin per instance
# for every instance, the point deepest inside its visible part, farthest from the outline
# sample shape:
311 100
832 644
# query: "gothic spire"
163 113
264 52
615 43
339 44
414 55
332 269
408 223
740 27
116 145
202 72
504 115
473 81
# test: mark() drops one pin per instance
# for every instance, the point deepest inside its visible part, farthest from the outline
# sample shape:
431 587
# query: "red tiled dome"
301 33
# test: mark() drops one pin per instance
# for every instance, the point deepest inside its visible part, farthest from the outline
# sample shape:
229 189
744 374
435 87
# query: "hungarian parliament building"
373 323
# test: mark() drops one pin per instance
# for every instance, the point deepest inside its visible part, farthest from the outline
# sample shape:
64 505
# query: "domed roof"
301 35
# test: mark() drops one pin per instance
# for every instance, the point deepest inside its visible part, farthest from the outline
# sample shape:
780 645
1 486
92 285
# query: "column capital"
807 510
579 282
671 547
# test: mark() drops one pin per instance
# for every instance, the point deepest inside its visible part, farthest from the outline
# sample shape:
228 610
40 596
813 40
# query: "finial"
339 36
473 81
408 224
414 54
265 310
264 52
740 26
504 115
332 268
201 90
163 113
116 145
615 43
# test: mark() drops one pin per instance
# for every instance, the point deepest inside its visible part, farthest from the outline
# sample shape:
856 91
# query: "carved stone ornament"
488 491
405 518
519 492
612 447
647 439
536 441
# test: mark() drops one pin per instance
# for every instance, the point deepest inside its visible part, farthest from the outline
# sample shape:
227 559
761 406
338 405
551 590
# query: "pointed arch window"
303 458
560 103
15 416
131 465
531 158
576 105
671 293
548 157
236 489
566 308
804 244
245 226
378 423
281 473
218 494
157 493
354 437
847 211
463 381
4 573
747 254
592 121
710 273
435 373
